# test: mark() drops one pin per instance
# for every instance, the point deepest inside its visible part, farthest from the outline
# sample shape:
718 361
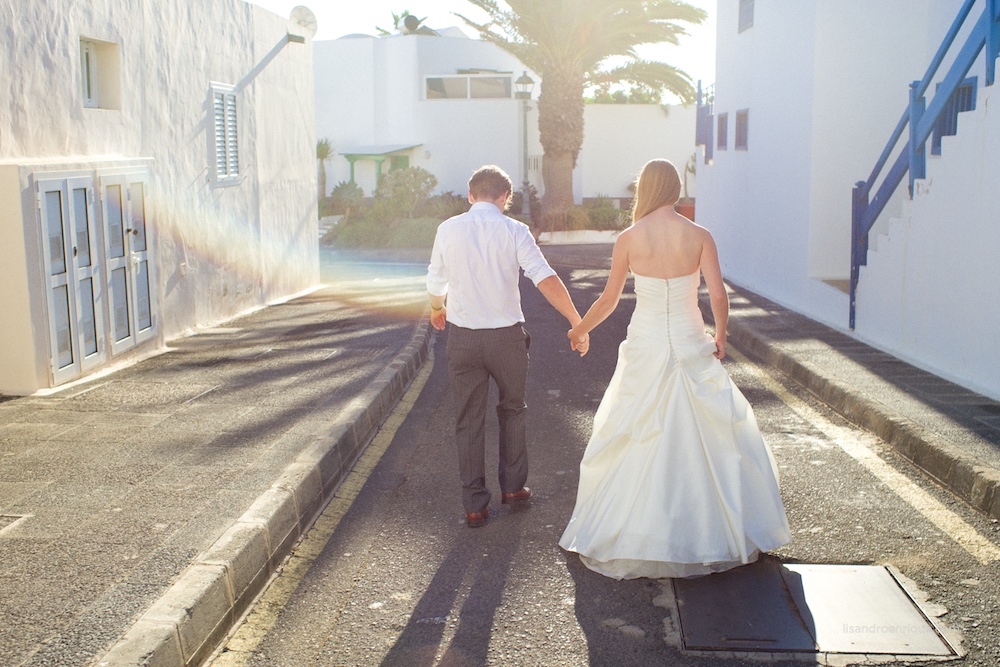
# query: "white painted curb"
186 624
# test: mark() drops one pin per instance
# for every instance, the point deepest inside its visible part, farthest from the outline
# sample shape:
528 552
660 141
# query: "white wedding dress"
676 480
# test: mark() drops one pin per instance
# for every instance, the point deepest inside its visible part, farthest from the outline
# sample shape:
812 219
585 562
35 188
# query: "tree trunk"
560 130
557 175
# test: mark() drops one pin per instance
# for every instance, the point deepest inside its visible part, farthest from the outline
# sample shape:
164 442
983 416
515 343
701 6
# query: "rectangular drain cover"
769 606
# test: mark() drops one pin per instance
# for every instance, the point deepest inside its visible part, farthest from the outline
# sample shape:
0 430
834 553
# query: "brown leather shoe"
477 519
517 496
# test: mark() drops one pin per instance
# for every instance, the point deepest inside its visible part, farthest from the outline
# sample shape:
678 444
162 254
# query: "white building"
806 98
157 171
446 103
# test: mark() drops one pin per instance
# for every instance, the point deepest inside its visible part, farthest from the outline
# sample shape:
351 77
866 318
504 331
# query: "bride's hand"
720 347
579 343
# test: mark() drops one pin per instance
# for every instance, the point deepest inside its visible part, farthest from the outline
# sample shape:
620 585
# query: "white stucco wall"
820 115
218 250
821 110
619 139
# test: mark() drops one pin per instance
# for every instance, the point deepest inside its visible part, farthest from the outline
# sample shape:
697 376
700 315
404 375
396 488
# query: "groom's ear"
472 200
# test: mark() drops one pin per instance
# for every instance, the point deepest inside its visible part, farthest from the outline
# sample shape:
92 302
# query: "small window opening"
723 132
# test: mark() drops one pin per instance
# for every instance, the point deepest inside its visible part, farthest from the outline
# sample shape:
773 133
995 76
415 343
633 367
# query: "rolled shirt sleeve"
530 257
437 280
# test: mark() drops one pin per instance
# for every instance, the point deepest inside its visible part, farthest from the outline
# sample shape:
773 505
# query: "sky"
695 55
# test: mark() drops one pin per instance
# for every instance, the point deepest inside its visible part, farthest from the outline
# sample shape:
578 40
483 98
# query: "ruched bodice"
668 307
676 480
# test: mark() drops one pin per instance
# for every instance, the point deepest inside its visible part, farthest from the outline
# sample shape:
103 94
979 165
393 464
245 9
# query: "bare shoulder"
626 236
702 233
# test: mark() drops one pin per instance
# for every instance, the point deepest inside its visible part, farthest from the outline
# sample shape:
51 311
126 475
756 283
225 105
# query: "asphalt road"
402 581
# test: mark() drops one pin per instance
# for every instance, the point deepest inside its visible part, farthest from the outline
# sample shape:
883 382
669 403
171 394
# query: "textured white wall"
822 108
619 139
219 250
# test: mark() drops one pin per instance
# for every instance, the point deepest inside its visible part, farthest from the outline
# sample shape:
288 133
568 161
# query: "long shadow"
973 411
419 643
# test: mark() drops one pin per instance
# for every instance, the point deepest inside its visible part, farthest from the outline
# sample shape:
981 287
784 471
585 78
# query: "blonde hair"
658 185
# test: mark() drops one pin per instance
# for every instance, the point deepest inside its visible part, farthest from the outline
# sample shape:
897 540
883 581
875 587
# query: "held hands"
579 342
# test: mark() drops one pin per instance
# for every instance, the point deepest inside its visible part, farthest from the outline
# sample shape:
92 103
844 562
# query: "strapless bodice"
668 307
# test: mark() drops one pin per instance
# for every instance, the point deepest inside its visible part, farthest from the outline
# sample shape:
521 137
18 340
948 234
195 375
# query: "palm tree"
324 151
569 43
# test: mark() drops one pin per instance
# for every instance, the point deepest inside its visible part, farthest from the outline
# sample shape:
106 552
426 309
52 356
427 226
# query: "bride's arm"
608 301
716 292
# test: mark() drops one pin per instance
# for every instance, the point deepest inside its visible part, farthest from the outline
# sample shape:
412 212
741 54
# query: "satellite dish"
303 19
410 24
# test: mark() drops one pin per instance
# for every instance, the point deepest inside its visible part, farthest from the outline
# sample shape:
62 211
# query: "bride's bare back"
662 244
665 244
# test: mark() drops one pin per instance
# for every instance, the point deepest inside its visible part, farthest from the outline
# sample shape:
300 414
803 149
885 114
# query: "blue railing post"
918 158
992 41
859 241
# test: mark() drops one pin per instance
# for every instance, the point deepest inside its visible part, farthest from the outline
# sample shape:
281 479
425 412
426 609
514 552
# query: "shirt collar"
485 205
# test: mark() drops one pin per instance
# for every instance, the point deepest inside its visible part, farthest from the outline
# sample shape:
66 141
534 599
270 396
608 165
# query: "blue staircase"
923 119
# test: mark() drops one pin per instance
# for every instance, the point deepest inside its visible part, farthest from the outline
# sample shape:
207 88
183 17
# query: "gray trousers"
475 356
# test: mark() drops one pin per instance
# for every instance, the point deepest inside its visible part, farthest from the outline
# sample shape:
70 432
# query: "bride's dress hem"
626 568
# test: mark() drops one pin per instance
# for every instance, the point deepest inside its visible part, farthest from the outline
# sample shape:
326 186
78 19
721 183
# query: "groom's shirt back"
476 262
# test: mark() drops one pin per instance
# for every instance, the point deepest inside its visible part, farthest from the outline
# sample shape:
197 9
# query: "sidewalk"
143 511
947 431
154 503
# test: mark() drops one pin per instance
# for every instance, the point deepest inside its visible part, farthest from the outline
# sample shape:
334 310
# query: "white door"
73 275
126 246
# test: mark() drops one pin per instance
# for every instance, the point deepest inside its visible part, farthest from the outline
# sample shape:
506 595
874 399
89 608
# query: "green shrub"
604 216
442 206
366 231
402 190
534 203
344 197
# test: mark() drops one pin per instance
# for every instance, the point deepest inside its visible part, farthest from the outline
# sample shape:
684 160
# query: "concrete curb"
185 625
964 475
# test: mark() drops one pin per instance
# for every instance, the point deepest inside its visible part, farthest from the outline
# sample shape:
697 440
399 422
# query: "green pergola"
398 156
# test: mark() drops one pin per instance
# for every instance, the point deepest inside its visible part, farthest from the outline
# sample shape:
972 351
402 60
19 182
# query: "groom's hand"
579 344
438 317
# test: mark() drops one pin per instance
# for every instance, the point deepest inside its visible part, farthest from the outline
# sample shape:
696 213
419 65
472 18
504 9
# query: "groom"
475 266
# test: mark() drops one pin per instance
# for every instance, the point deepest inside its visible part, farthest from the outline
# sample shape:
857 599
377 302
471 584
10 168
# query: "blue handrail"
921 119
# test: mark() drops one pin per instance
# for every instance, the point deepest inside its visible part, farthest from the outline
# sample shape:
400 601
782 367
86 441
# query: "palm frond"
655 75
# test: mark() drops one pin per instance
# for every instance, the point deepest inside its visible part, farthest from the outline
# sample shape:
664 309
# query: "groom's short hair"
490 182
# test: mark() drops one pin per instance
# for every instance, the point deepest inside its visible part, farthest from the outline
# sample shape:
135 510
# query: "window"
489 87
723 134
742 128
88 67
746 15
227 158
466 87
99 75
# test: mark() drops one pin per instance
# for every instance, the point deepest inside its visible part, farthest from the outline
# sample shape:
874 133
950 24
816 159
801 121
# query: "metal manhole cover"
770 606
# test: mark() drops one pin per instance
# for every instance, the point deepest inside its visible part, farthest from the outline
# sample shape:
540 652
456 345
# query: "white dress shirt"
475 262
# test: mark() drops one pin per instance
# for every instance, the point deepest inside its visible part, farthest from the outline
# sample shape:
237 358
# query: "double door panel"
127 250
96 265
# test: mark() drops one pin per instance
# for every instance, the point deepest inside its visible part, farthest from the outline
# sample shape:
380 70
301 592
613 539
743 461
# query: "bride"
676 480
